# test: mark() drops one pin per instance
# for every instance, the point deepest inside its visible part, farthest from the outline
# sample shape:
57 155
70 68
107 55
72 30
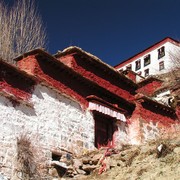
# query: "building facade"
157 59
76 102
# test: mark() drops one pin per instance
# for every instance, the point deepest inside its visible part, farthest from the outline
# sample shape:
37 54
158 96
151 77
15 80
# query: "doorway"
104 130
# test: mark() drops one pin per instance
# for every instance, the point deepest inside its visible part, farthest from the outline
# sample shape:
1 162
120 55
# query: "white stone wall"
55 121
121 135
170 51
150 131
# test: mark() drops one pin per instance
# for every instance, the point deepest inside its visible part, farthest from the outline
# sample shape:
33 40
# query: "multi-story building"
156 59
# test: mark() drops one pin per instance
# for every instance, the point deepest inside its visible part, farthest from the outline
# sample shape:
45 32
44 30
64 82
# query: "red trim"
92 76
147 50
158 108
148 88
97 63
16 100
15 82
69 82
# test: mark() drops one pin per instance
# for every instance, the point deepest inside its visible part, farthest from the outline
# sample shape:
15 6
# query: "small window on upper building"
138 64
139 73
120 70
147 60
146 72
161 52
129 67
161 65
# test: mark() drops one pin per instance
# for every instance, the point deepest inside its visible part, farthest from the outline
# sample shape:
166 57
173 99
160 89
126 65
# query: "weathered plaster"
149 88
150 131
99 75
55 121
121 134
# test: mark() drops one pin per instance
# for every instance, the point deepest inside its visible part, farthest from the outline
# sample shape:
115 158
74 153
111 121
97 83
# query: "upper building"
156 59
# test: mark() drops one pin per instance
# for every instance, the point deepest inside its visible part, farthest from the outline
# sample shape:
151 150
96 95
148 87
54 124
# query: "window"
138 65
146 72
161 65
147 60
161 52
129 67
120 70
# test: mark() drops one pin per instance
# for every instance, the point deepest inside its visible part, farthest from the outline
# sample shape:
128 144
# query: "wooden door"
103 132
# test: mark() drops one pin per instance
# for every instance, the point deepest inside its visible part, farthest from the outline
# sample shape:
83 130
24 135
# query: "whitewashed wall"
54 122
121 136
170 51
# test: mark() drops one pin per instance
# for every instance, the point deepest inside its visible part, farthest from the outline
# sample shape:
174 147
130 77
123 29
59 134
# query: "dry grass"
26 166
144 162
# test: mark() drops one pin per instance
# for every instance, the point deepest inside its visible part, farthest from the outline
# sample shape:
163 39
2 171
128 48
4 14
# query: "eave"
76 51
40 54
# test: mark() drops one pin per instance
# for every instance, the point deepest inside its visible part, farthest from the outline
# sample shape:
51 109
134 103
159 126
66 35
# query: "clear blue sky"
113 30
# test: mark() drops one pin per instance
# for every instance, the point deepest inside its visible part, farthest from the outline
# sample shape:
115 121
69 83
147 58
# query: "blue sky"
113 30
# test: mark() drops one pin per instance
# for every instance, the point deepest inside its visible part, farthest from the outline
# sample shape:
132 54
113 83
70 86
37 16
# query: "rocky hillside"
154 160
145 162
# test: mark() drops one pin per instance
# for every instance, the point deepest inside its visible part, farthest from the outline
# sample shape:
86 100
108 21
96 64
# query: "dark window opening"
161 52
129 67
147 60
120 70
138 65
146 73
161 65
56 156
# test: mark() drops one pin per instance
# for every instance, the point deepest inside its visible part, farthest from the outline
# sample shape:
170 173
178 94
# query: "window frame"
137 67
121 70
145 72
161 52
129 67
161 66
148 59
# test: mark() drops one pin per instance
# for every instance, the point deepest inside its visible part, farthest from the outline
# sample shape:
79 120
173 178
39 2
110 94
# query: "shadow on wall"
25 109
41 92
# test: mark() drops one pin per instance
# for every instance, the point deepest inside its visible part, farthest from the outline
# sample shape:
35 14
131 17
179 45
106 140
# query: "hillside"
154 160
145 162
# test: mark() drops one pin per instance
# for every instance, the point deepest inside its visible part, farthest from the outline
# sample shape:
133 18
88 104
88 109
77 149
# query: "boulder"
80 171
177 150
89 168
96 158
85 160
53 172
77 163
60 164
